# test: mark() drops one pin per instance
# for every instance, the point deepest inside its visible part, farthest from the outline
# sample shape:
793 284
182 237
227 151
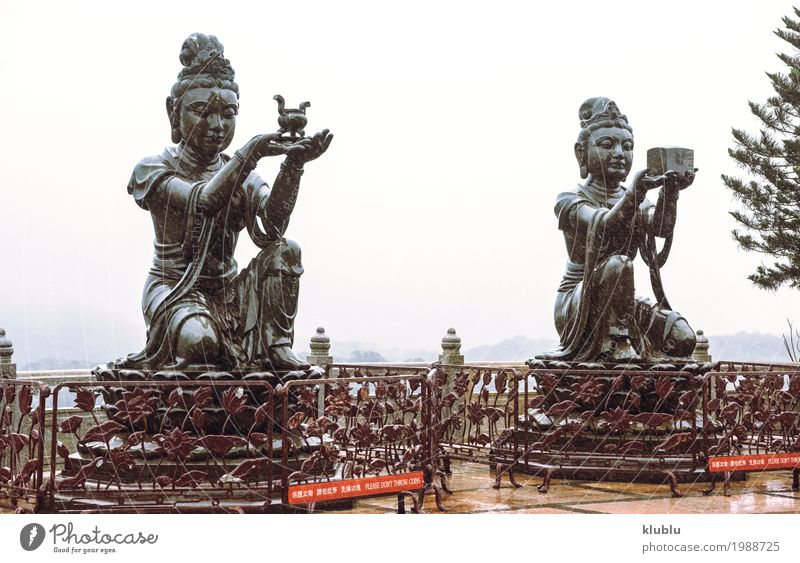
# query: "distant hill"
748 347
49 363
344 351
516 348
742 346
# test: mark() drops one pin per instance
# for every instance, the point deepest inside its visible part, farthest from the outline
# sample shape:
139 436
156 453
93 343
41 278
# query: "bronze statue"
605 225
201 311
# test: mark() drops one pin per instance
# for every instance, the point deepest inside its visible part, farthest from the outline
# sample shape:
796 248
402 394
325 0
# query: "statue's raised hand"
670 179
646 183
676 181
309 148
265 145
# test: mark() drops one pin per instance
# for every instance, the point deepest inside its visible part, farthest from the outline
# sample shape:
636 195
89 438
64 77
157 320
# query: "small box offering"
662 159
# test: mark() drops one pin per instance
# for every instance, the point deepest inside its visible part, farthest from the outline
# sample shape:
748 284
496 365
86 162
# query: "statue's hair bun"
587 109
198 43
600 109
204 65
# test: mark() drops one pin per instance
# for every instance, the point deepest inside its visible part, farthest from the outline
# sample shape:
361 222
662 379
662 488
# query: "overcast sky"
433 208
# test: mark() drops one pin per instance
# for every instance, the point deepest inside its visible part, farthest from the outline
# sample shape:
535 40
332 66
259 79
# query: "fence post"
8 369
320 349
701 349
701 355
320 355
451 355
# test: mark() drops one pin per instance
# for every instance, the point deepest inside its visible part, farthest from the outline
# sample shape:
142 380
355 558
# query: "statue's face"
609 154
208 120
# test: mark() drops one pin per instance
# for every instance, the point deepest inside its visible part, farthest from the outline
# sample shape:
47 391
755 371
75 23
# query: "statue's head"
605 142
204 101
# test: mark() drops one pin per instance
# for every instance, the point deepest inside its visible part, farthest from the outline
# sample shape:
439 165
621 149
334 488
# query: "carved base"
635 386
662 364
109 372
215 419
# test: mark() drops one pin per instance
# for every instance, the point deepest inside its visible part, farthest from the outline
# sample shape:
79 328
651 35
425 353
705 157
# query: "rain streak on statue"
605 225
202 312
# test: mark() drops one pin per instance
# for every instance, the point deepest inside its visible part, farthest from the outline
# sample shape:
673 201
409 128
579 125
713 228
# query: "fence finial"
8 369
701 349
320 349
451 349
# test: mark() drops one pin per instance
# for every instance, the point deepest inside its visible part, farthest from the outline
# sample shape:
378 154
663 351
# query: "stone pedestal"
636 422
179 438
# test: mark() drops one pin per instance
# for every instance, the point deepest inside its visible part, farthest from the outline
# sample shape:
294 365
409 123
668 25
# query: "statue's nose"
214 121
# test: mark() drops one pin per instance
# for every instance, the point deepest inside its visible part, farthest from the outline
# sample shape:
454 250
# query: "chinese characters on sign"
368 486
754 462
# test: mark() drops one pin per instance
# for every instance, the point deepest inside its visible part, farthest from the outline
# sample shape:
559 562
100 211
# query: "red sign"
753 462
350 488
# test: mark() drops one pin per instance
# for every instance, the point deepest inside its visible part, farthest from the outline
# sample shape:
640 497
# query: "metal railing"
164 442
21 444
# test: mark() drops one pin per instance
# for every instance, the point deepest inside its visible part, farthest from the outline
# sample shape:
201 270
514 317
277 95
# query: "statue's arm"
218 191
661 218
618 217
623 213
276 209
171 194
155 185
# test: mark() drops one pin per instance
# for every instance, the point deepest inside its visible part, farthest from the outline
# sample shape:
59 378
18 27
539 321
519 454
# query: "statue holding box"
605 225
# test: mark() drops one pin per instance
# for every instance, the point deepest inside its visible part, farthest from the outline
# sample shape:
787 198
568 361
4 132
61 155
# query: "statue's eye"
627 145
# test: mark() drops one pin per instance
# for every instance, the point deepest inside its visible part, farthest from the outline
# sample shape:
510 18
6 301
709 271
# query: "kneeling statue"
605 225
201 311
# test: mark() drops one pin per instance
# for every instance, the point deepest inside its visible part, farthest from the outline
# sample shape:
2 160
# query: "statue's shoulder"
568 199
166 159
567 203
155 160
574 195
148 172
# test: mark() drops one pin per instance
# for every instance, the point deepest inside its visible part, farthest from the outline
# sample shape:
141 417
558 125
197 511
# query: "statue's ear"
174 119
580 154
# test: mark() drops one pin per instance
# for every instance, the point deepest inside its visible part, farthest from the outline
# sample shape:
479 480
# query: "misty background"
454 126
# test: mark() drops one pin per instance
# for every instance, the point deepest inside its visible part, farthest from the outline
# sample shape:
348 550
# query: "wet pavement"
768 492
473 492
